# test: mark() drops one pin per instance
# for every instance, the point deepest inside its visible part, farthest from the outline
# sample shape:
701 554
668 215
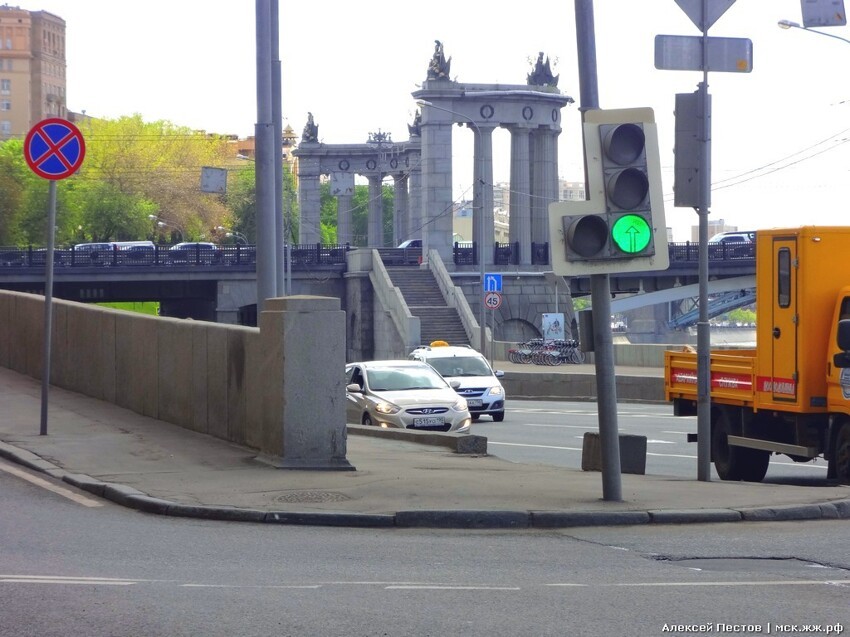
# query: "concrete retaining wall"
223 380
564 386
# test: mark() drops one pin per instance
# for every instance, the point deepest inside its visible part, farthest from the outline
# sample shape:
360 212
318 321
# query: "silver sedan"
403 394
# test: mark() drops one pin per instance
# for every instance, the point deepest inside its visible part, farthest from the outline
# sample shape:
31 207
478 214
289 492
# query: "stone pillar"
544 186
296 433
309 200
482 205
376 212
437 200
414 198
520 224
343 219
401 210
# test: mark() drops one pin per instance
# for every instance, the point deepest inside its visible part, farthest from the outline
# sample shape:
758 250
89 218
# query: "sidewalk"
157 467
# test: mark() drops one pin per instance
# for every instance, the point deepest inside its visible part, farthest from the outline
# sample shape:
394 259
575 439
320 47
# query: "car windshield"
460 366
398 379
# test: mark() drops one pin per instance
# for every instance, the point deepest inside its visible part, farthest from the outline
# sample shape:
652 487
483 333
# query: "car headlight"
460 405
496 391
387 408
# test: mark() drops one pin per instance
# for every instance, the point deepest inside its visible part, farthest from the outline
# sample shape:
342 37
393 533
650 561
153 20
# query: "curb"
434 519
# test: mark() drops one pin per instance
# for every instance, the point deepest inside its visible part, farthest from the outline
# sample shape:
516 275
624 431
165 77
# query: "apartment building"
32 69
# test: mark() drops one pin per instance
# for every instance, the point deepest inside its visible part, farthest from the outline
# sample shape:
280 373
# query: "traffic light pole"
703 328
600 284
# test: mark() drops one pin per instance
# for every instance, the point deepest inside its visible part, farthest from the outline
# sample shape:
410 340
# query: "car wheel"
367 420
475 417
499 417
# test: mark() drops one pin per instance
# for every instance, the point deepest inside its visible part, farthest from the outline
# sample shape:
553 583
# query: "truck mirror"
841 360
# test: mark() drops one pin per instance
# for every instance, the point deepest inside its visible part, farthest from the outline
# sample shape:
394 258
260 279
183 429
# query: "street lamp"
483 312
161 223
788 24
230 232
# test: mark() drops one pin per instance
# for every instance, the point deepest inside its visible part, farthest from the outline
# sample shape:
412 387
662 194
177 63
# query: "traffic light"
621 227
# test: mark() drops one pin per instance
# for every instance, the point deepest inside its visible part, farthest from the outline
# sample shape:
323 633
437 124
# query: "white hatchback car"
479 384
403 394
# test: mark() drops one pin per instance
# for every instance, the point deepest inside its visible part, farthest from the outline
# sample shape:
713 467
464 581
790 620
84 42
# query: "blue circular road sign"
54 148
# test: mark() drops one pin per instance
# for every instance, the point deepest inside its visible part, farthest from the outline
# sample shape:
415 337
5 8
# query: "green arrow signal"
631 234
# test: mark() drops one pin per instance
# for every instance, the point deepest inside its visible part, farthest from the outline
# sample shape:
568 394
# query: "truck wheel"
841 455
727 460
755 463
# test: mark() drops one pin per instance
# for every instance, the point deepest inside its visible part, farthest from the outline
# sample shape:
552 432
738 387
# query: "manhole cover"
312 497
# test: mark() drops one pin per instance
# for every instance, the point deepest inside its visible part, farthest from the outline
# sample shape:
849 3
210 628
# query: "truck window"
783 271
845 309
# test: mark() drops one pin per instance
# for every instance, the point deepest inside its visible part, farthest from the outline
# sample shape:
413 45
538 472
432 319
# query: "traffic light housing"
621 227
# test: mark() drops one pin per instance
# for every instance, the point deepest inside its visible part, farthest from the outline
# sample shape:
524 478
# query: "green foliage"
741 315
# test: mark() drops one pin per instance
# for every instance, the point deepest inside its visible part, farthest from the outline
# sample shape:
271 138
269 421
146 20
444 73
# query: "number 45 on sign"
493 300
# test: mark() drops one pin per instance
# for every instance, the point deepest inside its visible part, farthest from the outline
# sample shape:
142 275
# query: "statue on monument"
311 130
439 67
542 73
415 129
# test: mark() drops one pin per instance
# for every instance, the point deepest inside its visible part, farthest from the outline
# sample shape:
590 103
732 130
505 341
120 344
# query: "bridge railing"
206 254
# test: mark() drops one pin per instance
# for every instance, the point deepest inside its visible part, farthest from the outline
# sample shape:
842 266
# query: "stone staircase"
420 290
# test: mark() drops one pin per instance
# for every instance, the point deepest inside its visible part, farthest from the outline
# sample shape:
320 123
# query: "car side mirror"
354 388
454 384
499 373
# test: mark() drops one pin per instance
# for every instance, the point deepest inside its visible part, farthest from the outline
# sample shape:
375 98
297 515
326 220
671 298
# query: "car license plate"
474 402
428 421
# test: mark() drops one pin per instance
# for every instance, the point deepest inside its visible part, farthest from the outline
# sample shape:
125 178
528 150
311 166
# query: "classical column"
343 219
309 200
437 201
414 199
401 210
521 193
482 204
544 186
376 212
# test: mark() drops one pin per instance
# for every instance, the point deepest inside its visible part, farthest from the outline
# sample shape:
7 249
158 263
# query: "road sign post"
54 149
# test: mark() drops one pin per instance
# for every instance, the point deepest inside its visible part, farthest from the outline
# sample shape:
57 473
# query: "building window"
5 87
5 105
5 127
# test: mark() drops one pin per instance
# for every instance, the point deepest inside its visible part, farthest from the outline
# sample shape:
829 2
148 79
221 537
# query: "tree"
154 163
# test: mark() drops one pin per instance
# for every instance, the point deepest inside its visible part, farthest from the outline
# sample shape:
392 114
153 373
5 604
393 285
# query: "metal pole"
703 328
48 308
277 121
479 182
264 135
600 284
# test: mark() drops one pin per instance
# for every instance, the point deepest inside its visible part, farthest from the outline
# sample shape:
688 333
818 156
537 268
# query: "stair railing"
391 300
455 298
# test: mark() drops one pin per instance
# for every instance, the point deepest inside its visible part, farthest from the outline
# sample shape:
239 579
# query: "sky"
778 133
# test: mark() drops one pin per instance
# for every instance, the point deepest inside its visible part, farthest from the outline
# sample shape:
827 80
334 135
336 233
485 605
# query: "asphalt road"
550 432
71 567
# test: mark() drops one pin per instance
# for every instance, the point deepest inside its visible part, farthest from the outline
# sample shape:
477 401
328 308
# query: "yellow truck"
791 394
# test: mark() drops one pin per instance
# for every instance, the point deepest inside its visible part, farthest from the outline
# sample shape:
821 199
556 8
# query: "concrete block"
632 453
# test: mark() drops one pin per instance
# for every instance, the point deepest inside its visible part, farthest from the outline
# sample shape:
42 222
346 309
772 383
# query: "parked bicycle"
543 352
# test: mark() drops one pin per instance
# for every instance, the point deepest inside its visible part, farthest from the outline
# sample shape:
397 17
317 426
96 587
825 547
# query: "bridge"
220 284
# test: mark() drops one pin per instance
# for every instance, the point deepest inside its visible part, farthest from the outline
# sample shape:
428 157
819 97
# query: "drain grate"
312 497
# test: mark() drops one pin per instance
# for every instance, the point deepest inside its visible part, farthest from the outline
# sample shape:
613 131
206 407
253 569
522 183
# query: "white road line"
58 579
452 588
764 583
298 586
44 484
518 444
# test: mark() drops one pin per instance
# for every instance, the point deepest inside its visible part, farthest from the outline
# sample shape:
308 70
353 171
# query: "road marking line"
519 444
453 588
312 586
44 484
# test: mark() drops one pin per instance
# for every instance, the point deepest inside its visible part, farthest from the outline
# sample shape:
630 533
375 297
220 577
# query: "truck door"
784 320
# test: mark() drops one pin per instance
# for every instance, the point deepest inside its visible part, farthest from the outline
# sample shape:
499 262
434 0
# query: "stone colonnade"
422 169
